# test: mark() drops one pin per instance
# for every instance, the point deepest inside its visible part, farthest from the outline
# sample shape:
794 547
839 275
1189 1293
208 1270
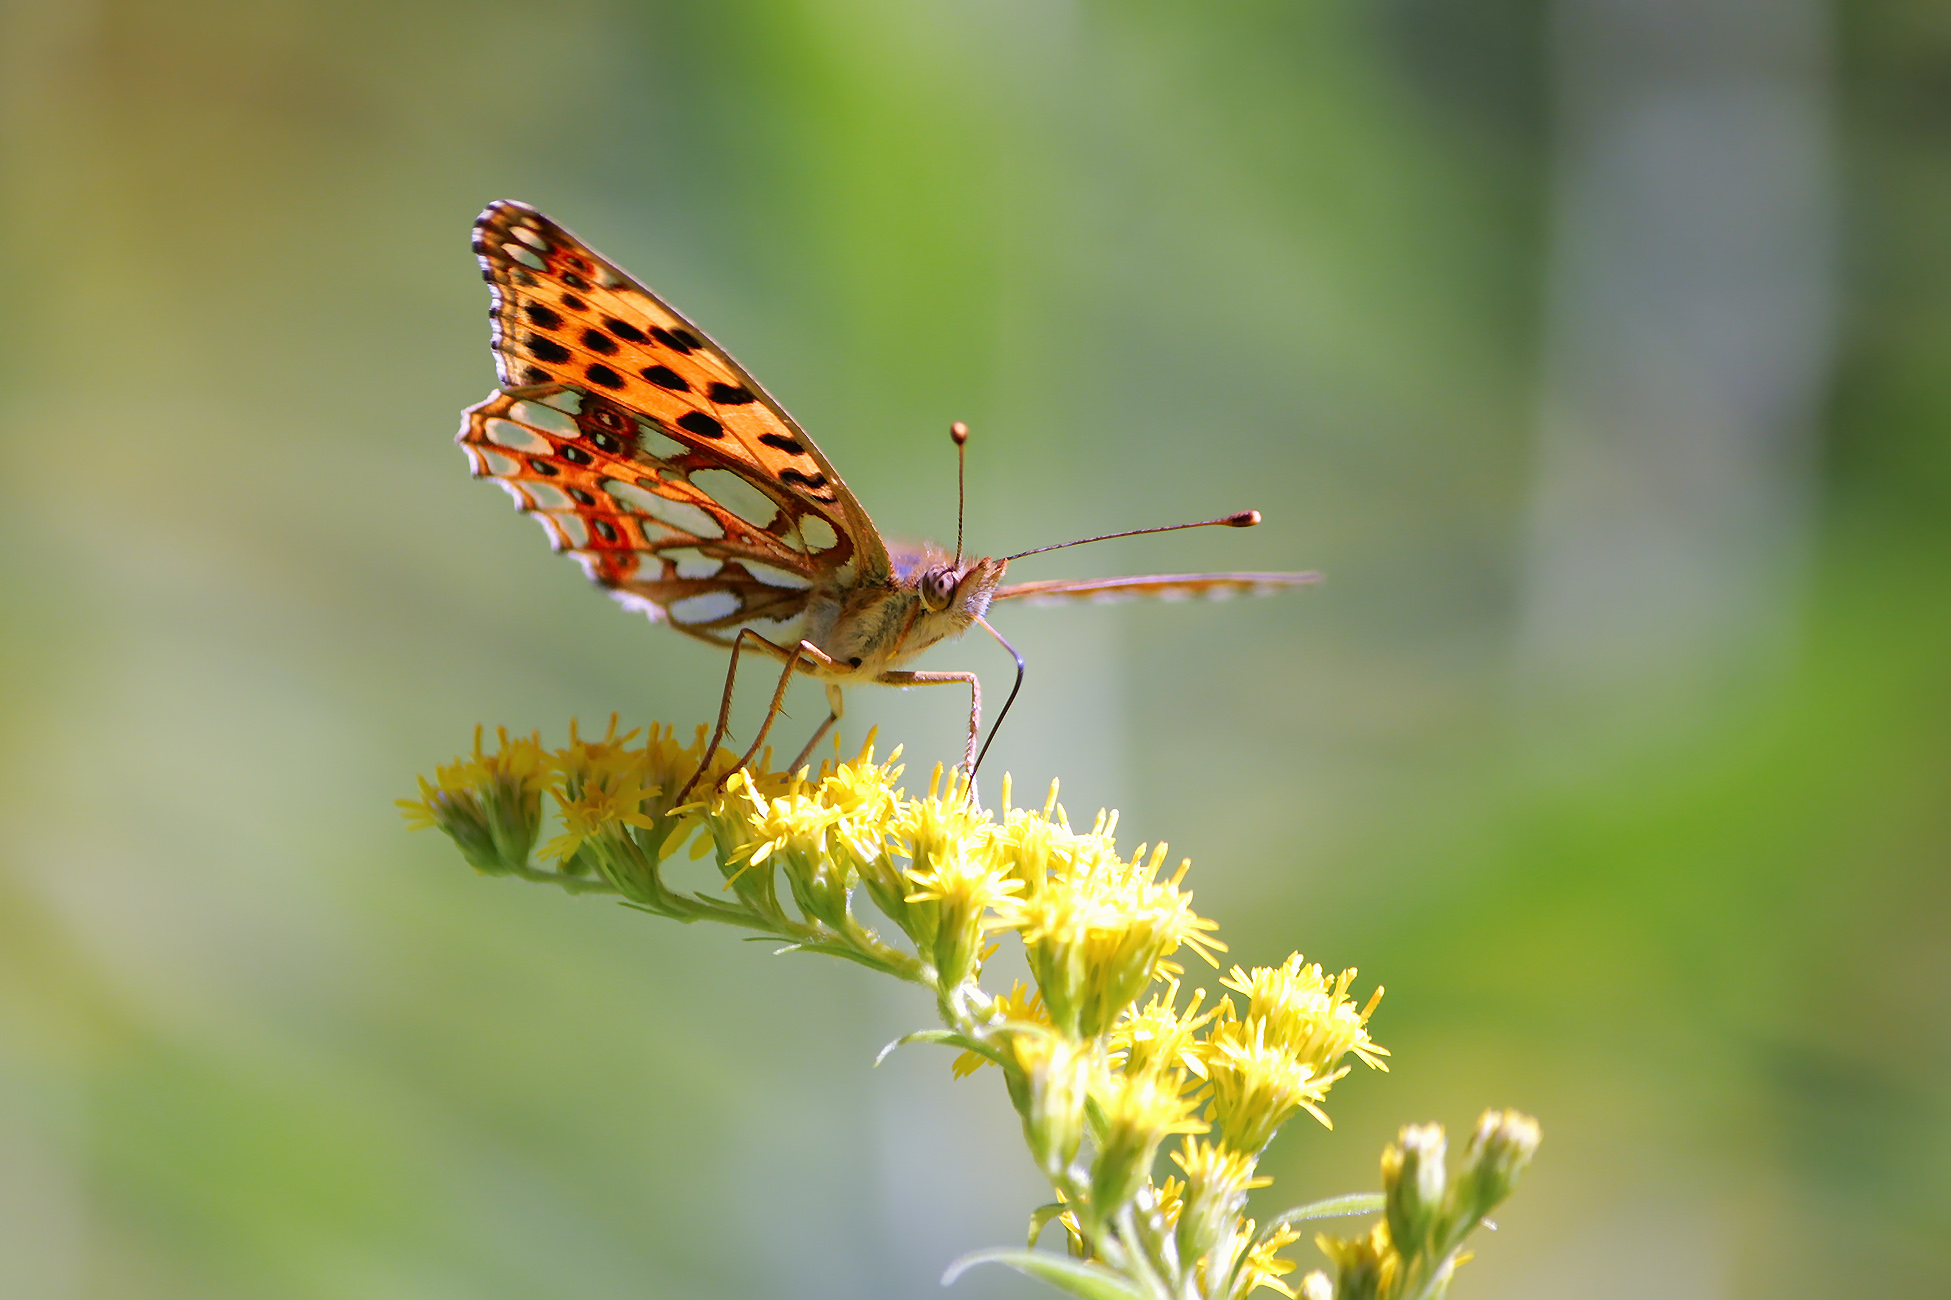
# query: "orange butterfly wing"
647 452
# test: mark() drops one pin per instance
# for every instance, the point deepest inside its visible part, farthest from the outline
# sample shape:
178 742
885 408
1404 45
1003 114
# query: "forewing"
563 315
663 525
1166 586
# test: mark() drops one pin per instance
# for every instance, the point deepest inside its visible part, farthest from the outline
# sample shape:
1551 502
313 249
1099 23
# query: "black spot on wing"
731 395
573 303
814 481
597 341
602 374
679 340
701 424
575 455
543 467
623 329
546 349
543 316
665 377
783 443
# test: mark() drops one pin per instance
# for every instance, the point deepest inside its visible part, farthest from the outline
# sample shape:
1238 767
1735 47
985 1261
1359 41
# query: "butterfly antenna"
997 725
1244 519
960 432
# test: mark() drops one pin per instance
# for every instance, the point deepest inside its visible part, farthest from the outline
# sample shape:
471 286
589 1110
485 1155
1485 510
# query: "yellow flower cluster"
1101 1059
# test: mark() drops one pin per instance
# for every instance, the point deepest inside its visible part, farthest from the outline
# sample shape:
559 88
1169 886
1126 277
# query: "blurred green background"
1598 351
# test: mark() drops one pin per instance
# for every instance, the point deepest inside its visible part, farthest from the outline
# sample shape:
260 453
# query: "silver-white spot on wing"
706 607
658 443
818 533
547 496
692 563
681 515
545 418
487 462
736 495
515 437
774 577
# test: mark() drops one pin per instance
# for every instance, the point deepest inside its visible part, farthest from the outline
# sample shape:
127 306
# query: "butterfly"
682 488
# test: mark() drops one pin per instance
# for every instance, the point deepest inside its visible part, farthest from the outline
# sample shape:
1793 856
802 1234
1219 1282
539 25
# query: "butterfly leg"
835 708
803 658
975 707
725 702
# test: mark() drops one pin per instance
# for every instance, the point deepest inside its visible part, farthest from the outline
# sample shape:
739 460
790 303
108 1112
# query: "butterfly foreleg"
803 652
975 707
835 708
803 657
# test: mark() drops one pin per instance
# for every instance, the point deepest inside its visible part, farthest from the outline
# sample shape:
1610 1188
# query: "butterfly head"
963 589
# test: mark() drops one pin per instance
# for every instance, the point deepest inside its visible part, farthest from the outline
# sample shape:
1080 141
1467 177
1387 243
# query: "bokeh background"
1598 351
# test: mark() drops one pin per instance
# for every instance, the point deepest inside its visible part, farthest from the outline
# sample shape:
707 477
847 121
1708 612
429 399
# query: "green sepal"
1087 1281
1040 1218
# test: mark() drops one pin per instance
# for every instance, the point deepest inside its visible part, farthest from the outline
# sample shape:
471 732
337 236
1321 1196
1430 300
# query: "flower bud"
1413 1182
1140 1111
1050 1089
1217 1183
1499 1150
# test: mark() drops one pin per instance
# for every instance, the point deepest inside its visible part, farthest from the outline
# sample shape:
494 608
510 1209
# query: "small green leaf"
1086 1281
947 1036
1333 1207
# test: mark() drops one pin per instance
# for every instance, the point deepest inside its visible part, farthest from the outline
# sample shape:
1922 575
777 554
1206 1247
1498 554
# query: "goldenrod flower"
733 820
667 766
948 844
1099 1060
490 805
1263 1266
1308 1016
790 830
1366 1268
596 760
1158 1037
1256 1086
1285 1051
1050 1085
1216 1185
1099 930
601 805
1137 1112
1035 845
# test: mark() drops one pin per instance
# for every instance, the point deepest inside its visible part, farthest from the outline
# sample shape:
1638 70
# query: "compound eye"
936 588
